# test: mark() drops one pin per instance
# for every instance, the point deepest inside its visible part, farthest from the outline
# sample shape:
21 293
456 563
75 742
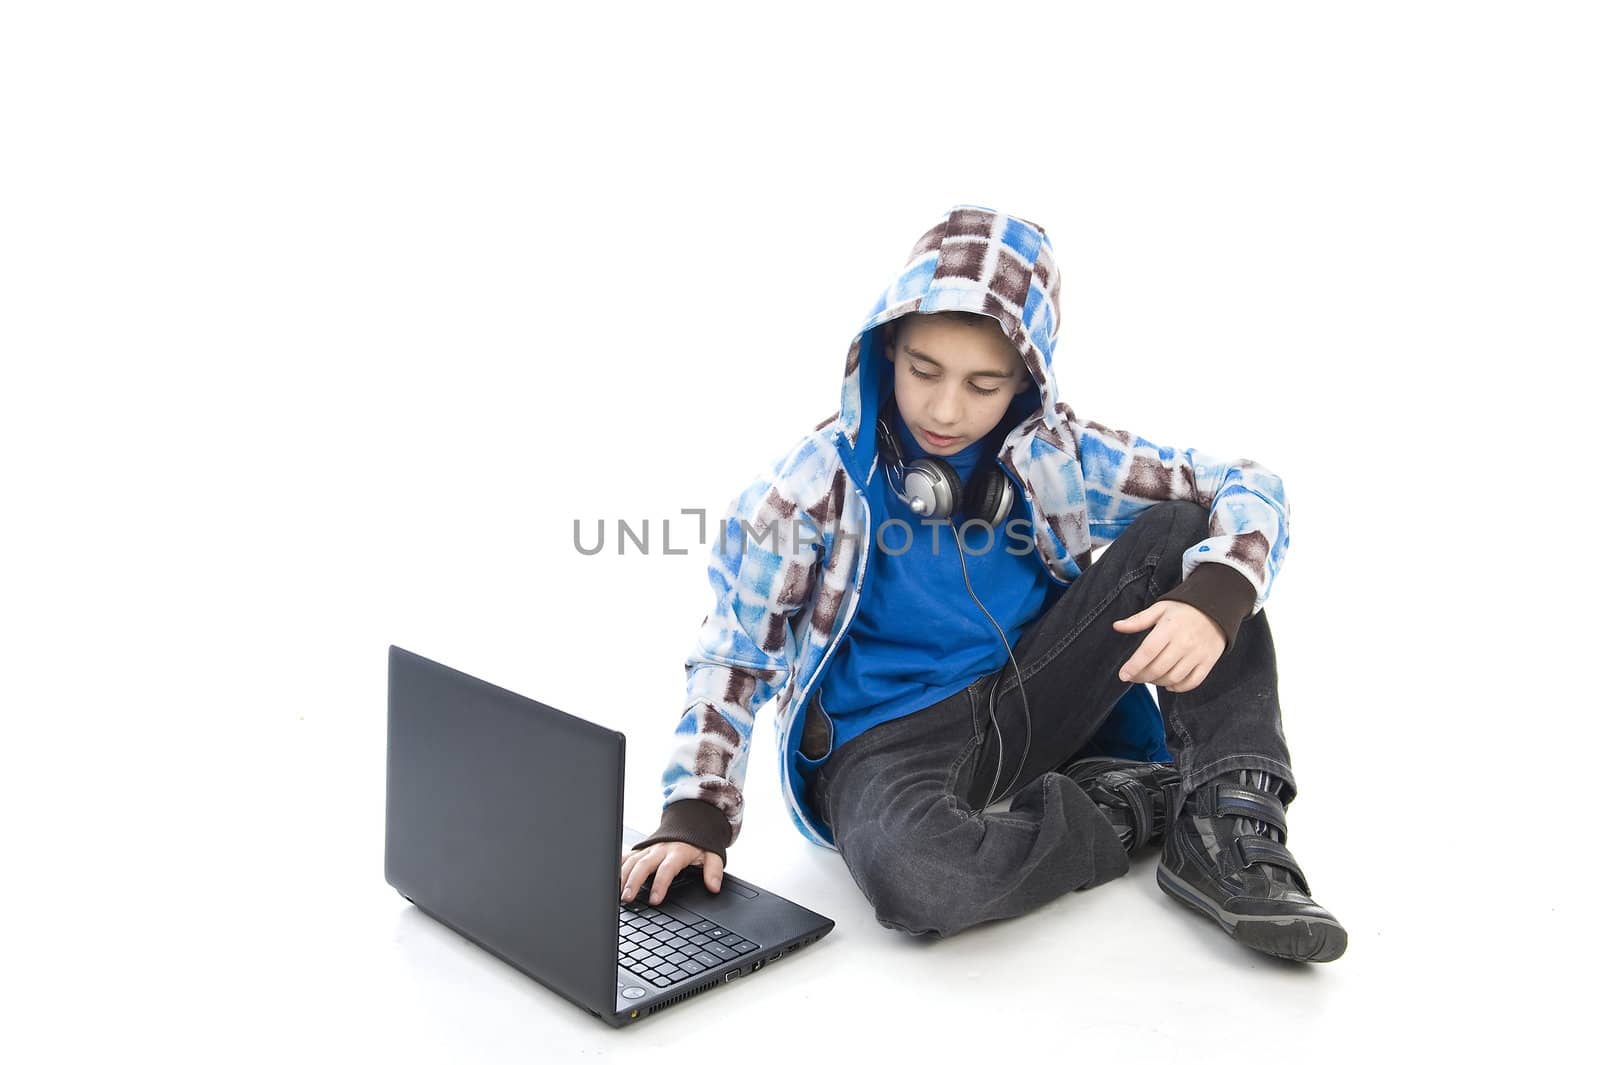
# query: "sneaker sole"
1294 938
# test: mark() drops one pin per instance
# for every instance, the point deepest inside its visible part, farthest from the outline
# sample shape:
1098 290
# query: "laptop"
503 822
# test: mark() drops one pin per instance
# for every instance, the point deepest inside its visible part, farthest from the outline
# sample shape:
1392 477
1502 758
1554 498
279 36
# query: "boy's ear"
1024 379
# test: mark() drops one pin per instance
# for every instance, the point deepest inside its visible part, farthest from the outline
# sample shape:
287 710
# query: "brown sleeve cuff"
696 822
1221 593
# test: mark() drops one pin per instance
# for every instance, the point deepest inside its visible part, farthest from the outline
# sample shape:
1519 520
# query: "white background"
323 322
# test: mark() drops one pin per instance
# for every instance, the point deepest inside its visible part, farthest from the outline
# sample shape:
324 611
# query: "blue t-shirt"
917 635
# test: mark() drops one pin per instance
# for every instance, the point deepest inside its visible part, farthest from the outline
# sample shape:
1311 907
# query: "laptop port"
732 976
756 967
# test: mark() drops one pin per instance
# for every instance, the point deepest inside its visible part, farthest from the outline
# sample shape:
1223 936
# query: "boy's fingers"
713 872
631 859
1188 681
631 871
1144 618
1168 666
1134 668
637 874
669 868
1157 656
663 868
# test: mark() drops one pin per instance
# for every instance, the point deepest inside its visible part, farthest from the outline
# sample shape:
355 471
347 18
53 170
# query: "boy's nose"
946 409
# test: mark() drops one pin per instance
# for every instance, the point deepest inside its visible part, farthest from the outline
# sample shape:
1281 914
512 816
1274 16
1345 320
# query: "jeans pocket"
816 736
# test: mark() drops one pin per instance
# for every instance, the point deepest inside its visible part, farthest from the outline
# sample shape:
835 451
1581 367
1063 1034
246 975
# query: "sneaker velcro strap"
1238 802
1143 809
1253 848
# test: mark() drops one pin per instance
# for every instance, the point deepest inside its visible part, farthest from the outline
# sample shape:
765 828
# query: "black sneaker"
1137 797
1225 857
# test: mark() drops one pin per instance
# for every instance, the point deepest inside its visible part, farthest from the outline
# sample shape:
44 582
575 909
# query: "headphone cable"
1021 690
892 468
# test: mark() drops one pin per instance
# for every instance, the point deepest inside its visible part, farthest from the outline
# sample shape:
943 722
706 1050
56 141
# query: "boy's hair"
891 331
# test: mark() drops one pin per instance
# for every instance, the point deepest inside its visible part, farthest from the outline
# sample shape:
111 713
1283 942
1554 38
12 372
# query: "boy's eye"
929 377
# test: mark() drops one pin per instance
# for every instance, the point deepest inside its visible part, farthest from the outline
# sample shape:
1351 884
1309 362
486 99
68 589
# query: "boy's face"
952 381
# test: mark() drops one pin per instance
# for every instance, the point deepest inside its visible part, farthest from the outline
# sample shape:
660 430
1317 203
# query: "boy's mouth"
938 441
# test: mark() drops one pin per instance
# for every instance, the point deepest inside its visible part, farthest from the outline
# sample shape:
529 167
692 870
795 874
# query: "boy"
916 575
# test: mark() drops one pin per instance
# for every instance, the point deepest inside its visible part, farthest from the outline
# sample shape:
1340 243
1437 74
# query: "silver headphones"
931 487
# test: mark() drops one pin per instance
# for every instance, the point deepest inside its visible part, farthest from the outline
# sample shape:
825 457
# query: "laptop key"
703 926
721 951
691 967
744 946
708 960
660 981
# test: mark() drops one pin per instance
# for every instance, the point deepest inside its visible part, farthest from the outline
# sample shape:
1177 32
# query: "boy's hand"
666 860
1179 652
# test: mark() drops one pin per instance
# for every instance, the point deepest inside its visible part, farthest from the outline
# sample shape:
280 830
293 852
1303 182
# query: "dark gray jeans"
900 797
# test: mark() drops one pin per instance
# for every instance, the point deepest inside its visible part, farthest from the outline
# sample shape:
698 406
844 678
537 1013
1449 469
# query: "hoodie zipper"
797 719
855 601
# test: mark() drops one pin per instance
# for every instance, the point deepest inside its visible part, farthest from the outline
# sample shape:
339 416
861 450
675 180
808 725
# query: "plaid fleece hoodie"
787 562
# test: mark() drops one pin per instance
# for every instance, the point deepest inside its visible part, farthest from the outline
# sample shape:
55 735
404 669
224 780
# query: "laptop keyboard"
656 946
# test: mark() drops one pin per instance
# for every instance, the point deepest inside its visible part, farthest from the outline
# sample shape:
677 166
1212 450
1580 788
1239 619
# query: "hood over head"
972 259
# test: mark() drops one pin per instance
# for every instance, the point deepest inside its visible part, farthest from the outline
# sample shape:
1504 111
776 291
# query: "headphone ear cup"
989 497
936 483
